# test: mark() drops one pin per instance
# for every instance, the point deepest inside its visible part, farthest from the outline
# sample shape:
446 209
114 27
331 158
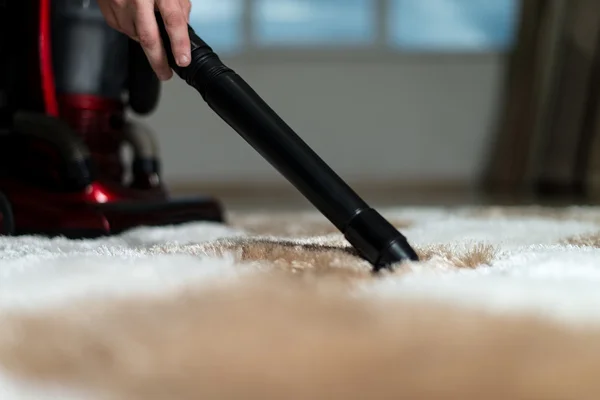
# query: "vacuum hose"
227 94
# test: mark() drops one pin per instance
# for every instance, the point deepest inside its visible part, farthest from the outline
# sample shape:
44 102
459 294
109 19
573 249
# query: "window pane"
453 25
314 22
219 23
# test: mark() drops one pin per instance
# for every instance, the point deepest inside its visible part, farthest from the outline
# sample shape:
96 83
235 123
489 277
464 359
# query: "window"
219 23
313 22
230 26
452 25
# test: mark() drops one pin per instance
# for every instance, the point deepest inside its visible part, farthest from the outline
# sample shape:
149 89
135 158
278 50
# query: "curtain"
548 137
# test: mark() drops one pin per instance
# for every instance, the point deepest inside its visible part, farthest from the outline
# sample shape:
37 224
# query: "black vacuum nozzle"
226 93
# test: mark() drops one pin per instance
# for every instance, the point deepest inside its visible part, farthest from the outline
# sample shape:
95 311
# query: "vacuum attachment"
227 94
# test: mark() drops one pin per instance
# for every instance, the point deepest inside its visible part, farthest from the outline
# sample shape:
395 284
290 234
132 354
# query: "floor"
285 199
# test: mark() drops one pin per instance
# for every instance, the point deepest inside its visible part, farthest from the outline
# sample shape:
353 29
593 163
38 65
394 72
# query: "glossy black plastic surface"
251 117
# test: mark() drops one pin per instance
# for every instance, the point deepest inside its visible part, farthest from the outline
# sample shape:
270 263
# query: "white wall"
405 120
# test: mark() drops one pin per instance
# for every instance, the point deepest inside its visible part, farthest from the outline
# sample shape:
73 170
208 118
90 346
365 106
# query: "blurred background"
398 96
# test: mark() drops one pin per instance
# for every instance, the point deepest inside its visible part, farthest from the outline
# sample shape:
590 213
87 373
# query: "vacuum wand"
227 94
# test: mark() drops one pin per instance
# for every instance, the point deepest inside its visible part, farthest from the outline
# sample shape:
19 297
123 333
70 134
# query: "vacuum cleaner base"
32 211
7 225
53 186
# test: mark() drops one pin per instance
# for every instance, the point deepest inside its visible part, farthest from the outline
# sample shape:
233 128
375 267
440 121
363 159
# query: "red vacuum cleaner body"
67 81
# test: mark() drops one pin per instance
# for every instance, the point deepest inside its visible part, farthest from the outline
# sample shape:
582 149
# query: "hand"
136 19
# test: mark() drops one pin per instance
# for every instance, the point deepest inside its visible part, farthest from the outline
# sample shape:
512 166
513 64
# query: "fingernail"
183 61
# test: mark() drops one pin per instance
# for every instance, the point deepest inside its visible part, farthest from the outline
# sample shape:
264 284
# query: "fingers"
176 21
186 6
149 38
109 14
117 16
123 12
136 19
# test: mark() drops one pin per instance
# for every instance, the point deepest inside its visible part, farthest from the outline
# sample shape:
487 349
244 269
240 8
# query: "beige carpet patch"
277 338
589 240
327 257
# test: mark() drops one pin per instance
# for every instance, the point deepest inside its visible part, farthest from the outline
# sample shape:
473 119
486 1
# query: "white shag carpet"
533 272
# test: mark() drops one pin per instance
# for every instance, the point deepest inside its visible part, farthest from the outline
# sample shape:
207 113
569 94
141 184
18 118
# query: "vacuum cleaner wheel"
8 222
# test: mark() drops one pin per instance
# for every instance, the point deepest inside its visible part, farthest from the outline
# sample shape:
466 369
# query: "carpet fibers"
504 304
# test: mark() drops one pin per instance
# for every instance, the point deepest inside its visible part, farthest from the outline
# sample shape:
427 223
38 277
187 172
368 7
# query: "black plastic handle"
375 239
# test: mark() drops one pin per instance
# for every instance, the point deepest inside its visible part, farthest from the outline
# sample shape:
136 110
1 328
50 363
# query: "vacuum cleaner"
229 96
67 83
